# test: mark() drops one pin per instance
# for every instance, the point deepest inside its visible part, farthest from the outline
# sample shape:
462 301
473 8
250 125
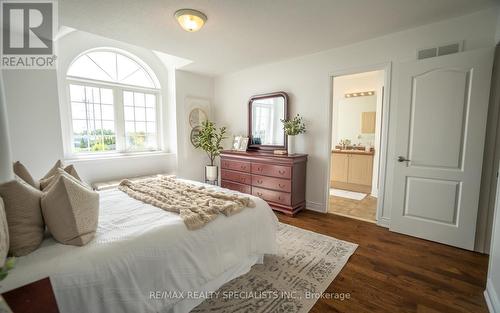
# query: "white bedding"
140 249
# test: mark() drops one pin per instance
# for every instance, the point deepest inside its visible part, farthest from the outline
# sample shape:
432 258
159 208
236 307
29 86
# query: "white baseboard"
384 222
491 298
315 206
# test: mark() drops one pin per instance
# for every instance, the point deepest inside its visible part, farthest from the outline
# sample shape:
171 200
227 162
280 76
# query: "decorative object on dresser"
209 139
278 179
264 115
293 128
240 143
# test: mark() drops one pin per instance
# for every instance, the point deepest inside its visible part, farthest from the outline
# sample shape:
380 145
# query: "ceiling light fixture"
190 20
359 94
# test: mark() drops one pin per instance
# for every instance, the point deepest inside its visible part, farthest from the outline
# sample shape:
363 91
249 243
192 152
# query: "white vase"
291 144
211 172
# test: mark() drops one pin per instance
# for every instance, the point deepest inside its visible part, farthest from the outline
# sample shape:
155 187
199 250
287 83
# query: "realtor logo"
27 35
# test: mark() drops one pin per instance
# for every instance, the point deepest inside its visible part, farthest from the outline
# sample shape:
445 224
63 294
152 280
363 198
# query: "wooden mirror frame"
267 148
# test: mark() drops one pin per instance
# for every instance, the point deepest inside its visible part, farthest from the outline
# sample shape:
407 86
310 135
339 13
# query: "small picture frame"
240 143
236 142
243 144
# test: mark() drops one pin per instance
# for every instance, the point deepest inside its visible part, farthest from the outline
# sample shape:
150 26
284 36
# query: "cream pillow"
70 169
22 172
24 216
70 210
53 170
4 235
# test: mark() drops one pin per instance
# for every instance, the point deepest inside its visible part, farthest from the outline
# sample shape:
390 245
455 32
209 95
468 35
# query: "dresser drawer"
272 183
272 170
273 196
236 165
238 177
236 186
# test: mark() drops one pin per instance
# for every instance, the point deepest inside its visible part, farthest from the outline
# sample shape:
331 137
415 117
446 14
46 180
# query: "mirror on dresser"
265 129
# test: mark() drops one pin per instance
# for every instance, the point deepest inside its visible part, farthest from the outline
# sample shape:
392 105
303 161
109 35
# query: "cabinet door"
339 167
360 169
368 120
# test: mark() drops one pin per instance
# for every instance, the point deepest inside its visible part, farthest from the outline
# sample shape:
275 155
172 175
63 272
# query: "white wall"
33 117
307 81
5 154
492 292
191 161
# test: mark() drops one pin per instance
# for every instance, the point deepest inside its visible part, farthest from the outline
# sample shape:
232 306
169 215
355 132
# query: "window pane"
126 67
140 127
151 142
77 93
111 66
108 112
138 99
129 113
150 115
140 114
129 127
106 96
150 101
93 122
78 110
128 98
151 128
140 121
136 141
106 60
138 78
108 127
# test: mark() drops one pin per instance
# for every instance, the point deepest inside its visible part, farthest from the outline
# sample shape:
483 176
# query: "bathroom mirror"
265 113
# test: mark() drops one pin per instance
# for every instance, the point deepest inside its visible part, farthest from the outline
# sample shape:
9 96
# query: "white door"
441 120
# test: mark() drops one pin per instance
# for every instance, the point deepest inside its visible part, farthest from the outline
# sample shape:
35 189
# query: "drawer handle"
259 169
259 194
243 179
259 181
282 172
281 186
279 198
243 167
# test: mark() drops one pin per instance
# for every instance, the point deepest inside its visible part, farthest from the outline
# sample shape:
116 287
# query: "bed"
144 259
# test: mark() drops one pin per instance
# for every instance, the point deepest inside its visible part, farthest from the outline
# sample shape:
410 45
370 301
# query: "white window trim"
118 106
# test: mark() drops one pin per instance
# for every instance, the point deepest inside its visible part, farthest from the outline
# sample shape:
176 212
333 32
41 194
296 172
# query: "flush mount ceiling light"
190 20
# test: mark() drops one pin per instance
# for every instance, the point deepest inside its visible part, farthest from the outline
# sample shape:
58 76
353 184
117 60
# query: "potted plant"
293 127
209 139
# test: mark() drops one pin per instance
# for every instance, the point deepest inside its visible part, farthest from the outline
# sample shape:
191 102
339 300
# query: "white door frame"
384 132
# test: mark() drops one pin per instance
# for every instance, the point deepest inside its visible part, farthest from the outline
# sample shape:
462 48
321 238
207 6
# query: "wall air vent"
439 51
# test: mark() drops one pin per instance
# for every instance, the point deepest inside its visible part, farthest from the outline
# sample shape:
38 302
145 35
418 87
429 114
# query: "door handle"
402 159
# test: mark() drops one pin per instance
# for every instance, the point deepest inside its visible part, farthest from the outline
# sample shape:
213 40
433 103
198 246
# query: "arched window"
114 101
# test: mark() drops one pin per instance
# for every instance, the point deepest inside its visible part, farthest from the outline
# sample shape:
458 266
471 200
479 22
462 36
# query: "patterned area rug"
290 281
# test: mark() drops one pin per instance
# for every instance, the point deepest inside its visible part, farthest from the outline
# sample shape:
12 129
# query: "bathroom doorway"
357 114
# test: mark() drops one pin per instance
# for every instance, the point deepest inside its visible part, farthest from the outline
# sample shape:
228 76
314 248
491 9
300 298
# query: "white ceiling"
245 33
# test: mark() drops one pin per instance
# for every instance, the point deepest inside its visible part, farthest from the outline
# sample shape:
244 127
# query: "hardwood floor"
390 272
365 209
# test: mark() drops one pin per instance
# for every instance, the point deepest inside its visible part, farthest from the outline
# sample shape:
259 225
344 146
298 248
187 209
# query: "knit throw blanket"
196 205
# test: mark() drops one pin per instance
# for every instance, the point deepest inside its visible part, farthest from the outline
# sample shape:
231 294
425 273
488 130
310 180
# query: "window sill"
118 155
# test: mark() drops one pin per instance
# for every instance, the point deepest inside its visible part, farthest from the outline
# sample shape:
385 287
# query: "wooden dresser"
280 180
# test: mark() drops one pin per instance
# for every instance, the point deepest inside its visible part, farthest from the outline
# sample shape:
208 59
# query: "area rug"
347 194
291 281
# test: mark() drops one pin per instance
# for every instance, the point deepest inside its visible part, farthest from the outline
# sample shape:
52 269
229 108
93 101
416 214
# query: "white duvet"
144 259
